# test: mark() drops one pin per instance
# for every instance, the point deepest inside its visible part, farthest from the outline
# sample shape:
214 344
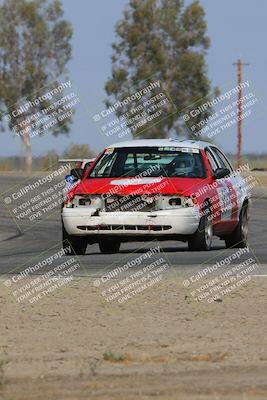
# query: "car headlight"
175 201
169 202
84 200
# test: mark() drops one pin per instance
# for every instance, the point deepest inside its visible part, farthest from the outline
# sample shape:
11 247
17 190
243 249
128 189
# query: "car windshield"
149 162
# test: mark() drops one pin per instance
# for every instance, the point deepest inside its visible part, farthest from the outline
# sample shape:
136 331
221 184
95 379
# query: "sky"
237 30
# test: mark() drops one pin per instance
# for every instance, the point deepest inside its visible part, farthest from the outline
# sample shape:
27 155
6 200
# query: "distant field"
16 164
254 161
261 177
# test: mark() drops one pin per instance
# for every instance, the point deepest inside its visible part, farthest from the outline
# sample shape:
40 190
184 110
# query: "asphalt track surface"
23 243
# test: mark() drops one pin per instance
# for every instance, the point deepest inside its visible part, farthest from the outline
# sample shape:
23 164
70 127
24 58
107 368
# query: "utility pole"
240 64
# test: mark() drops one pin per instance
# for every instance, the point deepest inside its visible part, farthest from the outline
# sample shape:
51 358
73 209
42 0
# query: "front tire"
72 244
239 238
109 246
202 238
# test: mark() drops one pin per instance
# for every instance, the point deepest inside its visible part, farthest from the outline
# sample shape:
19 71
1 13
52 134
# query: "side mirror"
70 179
77 173
221 173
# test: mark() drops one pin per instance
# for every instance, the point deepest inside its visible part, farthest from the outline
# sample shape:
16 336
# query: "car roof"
195 144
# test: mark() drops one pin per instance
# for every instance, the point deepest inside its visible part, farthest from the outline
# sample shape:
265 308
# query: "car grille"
124 227
133 203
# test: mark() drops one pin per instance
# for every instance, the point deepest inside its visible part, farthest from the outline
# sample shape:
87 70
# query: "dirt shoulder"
71 345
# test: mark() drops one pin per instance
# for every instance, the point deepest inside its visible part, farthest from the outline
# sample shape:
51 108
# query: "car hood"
150 185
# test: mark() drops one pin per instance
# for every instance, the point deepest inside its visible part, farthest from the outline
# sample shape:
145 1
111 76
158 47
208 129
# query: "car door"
216 192
229 188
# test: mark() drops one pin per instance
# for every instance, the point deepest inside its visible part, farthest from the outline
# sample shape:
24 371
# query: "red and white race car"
162 189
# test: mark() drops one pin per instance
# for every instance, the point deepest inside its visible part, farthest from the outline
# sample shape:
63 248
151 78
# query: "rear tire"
72 244
202 238
109 246
239 238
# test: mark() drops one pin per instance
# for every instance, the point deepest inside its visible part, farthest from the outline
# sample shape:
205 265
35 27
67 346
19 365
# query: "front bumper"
82 221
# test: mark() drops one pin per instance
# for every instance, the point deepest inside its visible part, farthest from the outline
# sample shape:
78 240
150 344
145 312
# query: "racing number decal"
225 201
